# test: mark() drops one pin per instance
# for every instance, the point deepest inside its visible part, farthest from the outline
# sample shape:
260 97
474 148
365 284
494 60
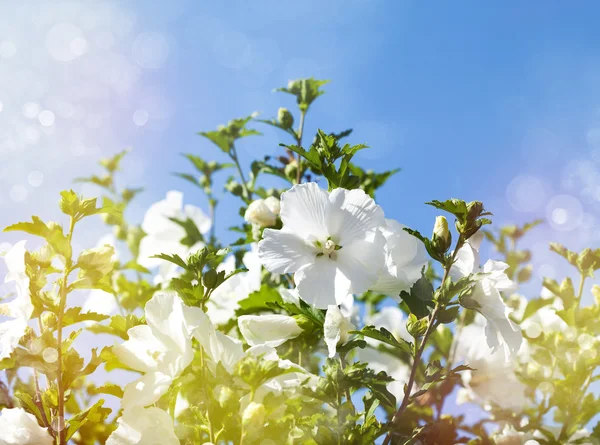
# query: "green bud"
524 274
49 319
285 118
416 326
120 232
210 278
235 188
291 170
128 194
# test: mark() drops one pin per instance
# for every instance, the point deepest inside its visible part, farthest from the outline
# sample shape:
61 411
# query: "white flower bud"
336 329
269 329
440 229
259 213
273 204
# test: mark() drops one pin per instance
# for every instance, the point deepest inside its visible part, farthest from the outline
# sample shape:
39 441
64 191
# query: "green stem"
421 348
213 218
59 333
580 291
234 156
299 142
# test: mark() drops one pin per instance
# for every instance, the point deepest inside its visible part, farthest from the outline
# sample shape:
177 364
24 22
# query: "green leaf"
385 336
108 388
305 90
119 325
96 414
73 315
258 301
420 298
533 306
175 259
112 164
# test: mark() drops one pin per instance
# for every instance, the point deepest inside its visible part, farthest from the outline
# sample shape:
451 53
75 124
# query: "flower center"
328 248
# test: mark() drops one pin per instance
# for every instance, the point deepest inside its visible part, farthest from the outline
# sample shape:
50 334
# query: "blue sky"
498 102
464 97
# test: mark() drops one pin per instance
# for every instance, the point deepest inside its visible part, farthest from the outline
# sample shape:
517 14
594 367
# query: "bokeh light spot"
46 118
7 49
564 212
18 193
526 193
35 178
65 42
50 355
31 110
150 50
140 117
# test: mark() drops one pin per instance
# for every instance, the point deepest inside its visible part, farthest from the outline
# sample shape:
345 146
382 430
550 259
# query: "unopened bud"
273 204
442 239
285 118
49 319
210 278
259 213
235 188
291 170
524 274
120 232
416 326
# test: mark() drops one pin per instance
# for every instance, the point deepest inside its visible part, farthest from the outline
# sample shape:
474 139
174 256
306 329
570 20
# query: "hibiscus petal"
304 211
141 426
157 216
165 315
146 390
19 427
320 284
361 262
352 215
140 350
200 218
282 251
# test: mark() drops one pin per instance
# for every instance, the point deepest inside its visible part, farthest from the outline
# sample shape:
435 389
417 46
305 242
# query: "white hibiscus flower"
486 298
19 309
331 241
405 257
164 235
493 380
161 349
144 426
224 300
268 329
18 427
336 329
